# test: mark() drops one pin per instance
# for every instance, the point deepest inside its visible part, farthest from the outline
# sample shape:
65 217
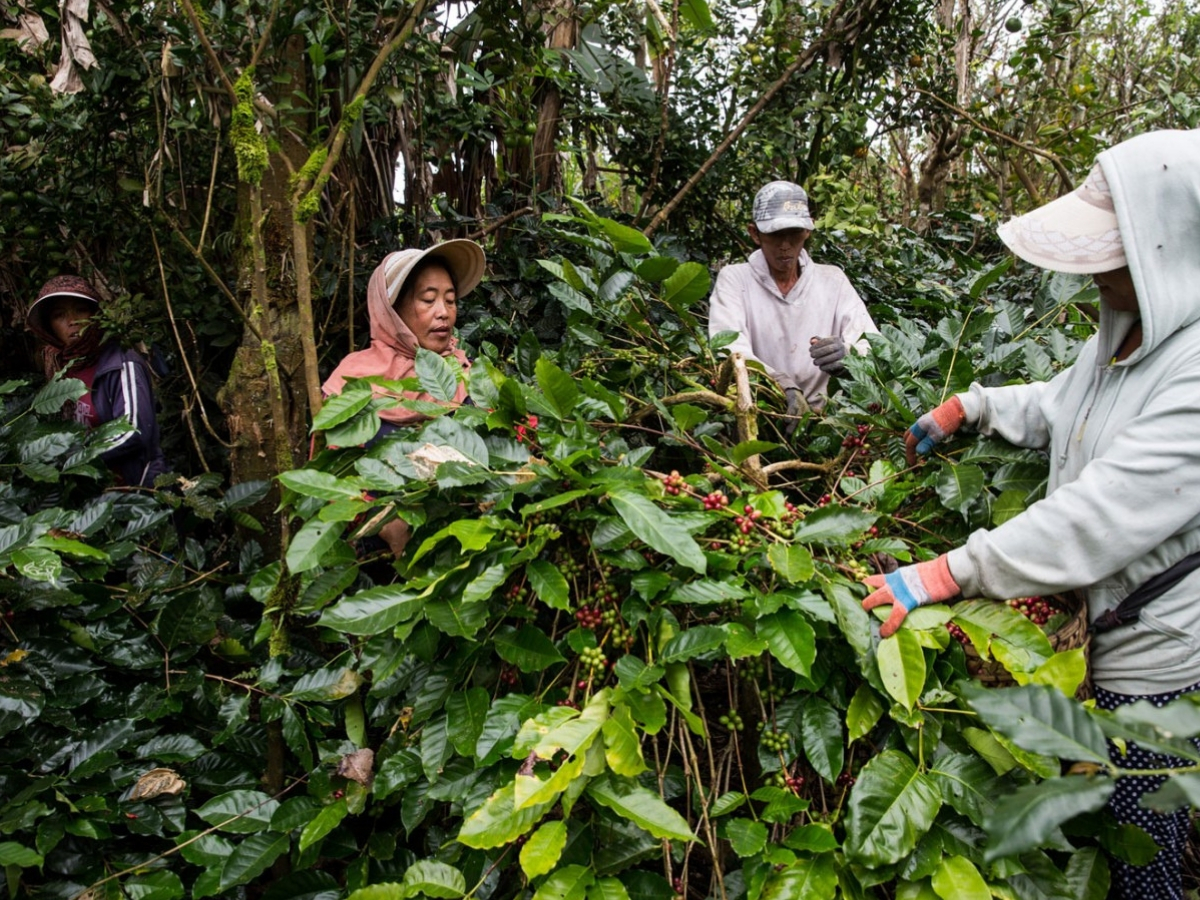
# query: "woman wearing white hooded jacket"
1122 428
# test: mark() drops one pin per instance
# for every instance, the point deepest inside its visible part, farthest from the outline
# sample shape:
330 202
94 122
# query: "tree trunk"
562 31
264 397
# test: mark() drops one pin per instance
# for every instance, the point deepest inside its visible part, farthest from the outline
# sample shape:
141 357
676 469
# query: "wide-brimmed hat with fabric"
59 286
1077 233
780 205
463 258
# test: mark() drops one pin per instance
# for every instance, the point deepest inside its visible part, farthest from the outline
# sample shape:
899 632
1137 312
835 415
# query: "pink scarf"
392 353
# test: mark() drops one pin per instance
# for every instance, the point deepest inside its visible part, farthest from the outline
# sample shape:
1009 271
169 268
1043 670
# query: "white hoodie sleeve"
1013 412
1130 498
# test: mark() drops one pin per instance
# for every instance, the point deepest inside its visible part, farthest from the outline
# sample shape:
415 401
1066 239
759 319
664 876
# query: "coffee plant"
622 655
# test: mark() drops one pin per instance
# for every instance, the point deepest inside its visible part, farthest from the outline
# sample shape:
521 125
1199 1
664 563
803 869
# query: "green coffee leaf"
498 821
745 836
341 407
438 374
692 643
901 663
543 848
239 812
658 530
891 807
549 584
790 639
792 562
956 878
558 386
373 611
431 878
1040 719
527 648
251 858
833 523
1030 816
324 822
637 804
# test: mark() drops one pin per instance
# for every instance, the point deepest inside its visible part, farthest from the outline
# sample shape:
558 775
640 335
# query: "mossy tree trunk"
264 397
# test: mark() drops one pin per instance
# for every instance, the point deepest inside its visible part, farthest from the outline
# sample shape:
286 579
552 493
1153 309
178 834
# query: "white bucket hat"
462 257
1077 233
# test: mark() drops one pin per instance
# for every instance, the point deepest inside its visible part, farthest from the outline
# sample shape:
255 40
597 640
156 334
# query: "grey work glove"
827 354
796 407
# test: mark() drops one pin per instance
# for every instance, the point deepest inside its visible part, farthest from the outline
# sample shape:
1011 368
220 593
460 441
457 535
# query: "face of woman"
67 318
429 307
1116 289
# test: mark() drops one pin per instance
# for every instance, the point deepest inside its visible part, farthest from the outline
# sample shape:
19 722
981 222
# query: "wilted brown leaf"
358 766
156 783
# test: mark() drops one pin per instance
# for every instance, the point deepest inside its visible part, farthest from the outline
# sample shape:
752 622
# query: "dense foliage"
622 656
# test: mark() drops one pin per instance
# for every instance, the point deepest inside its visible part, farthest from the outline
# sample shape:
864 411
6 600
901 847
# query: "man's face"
781 248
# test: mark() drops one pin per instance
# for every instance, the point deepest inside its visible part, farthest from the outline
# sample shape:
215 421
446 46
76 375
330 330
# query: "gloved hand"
827 353
936 425
796 407
909 587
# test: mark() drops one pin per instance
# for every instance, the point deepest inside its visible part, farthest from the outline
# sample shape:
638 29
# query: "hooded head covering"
393 349
1155 184
56 355
1140 207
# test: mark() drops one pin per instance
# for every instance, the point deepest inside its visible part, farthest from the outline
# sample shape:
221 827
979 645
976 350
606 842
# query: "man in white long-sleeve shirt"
798 318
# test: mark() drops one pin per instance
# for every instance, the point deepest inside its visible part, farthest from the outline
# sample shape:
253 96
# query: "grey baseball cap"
780 205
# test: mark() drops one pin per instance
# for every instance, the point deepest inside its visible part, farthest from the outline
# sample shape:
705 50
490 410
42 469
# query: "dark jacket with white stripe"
122 387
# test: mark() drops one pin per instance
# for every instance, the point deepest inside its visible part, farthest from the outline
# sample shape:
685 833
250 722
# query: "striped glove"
936 425
909 587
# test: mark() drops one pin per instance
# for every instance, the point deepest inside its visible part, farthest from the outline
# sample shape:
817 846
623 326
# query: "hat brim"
1067 235
465 260
41 304
779 223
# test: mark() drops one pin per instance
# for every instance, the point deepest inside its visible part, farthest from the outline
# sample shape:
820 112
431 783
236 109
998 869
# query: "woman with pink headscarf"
412 302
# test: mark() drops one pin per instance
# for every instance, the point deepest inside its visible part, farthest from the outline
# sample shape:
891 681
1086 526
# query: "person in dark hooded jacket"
118 380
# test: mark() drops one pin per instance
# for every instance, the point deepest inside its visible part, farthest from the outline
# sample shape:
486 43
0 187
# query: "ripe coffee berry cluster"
859 439
1037 609
957 633
845 780
715 500
592 657
794 783
824 500
516 592
745 523
589 617
673 483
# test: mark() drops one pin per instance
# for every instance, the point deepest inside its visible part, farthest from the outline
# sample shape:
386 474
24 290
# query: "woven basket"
1072 634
